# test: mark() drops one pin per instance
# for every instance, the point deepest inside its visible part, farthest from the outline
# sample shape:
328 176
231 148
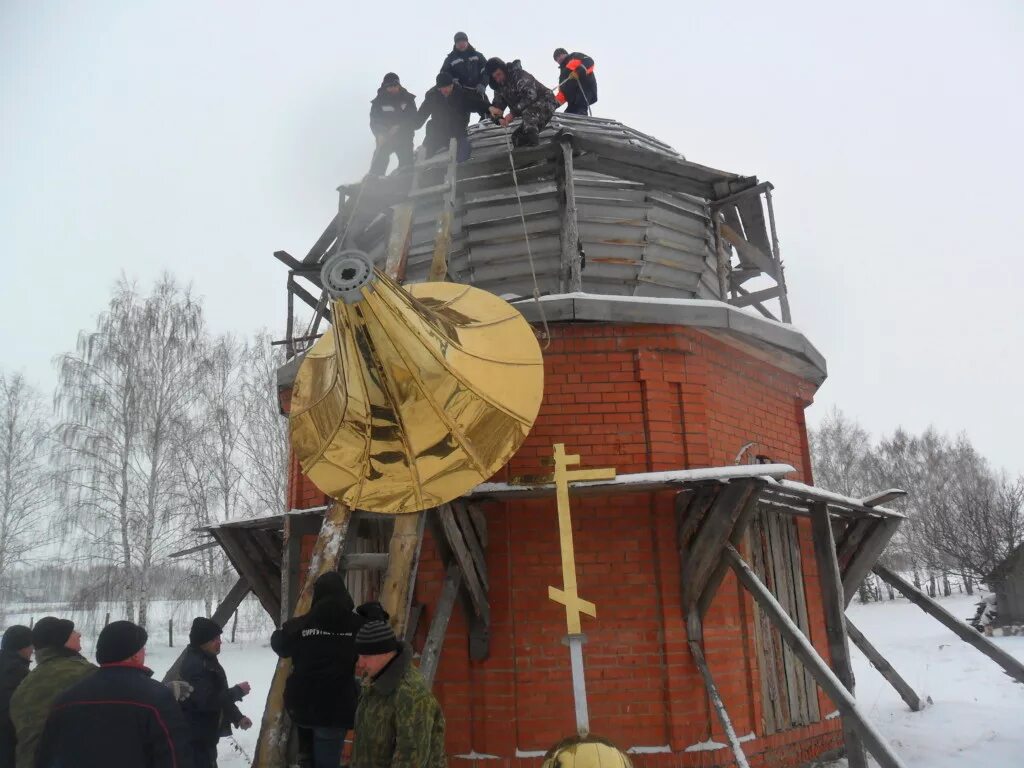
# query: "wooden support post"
783 295
748 508
832 598
813 663
879 662
1010 665
572 268
272 747
865 556
397 251
722 261
227 606
403 559
694 631
443 235
439 625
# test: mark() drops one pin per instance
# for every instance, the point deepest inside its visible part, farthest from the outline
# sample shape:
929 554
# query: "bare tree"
841 455
264 435
24 486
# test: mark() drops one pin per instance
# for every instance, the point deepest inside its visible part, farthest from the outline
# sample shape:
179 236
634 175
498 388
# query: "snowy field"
976 718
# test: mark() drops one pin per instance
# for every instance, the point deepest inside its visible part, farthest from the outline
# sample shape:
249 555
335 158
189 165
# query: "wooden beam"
462 556
740 291
883 497
272 747
431 655
403 560
756 297
695 630
885 669
476 549
864 559
814 664
571 271
777 255
747 511
748 252
227 607
1010 665
193 550
834 603
242 559
397 252
443 234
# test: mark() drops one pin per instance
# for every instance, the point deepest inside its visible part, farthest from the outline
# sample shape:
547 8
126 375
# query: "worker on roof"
448 106
465 64
577 83
525 98
393 122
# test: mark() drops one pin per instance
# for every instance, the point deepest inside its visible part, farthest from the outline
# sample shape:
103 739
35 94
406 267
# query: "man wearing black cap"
398 722
577 83
118 716
524 96
465 64
211 709
448 105
15 655
392 121
59 665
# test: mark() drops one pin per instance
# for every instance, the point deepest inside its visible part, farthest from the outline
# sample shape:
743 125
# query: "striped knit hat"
375 636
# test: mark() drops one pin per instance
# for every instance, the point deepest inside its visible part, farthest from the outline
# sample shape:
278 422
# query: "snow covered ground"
975 719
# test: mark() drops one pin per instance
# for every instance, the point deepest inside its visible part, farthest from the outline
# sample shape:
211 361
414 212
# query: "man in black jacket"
211 709
15 655
448 105
524 96
322 692
577 83
392 121
117 716
465 64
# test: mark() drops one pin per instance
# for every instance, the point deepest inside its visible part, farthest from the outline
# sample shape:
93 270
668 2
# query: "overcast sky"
199 137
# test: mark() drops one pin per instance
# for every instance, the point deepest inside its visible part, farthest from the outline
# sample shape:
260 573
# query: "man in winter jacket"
448 105
118 716
15 655
322 690
399 722
524 96
211 709
465 65
59 665
392 121
577 83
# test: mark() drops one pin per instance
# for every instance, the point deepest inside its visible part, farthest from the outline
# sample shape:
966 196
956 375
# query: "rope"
526 236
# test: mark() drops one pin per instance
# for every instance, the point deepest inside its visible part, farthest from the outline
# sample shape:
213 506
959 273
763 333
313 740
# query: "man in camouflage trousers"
59 665
398 722
525 98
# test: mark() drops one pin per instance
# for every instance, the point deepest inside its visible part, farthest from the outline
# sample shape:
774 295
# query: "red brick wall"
638 398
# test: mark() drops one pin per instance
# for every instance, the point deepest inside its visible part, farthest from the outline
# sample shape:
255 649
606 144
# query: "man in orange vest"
577 83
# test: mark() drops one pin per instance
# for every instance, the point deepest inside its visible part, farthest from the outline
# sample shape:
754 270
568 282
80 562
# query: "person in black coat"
15 655
465 64
448 106
393 122
577 83
211 709
322 692
117 716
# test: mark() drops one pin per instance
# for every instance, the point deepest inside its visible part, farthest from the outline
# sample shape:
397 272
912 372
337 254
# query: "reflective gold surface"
589 752
412 400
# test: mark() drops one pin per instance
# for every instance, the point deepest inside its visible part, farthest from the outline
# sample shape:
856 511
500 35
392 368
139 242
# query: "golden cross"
568 595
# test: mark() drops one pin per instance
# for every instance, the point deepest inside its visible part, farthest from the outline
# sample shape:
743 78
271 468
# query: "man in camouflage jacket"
399 723
525 98
59 665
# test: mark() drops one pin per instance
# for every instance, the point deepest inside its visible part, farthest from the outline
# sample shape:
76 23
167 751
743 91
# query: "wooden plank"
749 253
476 514
883 497
272 747
756 297
397 251
739 531
571 272
224 611
754 225
834 603
691 507
431 654
242 560
476 549
885 669
802 647
1010 665
864 559
774 714
783 591
460 552
364 561
694 630
291 545
777 256
443 235
319 249
403 559
739 291
802 617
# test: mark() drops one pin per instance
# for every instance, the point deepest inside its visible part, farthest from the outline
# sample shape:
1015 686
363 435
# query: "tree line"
157 428
964 516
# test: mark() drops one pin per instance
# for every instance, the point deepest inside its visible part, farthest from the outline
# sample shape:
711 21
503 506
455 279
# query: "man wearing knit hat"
15 655
117 716
465 63
398 722
449 105
392 121
59 665
525 98
211 709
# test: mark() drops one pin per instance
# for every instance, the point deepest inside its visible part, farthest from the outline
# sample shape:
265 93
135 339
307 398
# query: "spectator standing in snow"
15 655
448 106
465 65
211 709
118 716
577 83
59 665
399 722
392 121
322 691
525 98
